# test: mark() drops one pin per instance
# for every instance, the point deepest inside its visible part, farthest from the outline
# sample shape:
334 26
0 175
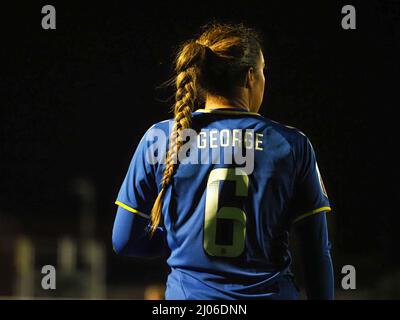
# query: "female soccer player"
222 192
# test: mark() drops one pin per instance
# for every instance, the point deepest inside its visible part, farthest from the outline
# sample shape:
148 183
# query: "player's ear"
249 78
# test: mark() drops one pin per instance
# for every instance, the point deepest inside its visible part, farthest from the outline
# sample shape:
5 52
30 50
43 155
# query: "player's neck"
217 102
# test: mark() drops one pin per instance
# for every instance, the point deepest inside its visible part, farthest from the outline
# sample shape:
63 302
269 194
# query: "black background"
76 100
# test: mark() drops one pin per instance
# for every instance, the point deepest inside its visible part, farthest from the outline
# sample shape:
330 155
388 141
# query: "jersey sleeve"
310 196
139 190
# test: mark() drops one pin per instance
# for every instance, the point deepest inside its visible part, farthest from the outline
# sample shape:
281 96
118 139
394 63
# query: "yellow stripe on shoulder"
123 205
322 209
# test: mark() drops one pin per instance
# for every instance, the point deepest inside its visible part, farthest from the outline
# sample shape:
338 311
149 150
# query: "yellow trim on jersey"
122 205
227 111
327 209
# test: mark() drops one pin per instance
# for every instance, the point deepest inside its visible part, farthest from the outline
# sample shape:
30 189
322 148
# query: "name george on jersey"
230 138
208 146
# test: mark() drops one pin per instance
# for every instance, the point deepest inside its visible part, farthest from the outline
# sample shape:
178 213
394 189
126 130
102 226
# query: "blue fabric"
312 233
182 285
130 238
284 186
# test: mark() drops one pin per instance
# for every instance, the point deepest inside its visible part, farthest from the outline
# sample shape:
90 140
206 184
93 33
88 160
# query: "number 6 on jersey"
236 215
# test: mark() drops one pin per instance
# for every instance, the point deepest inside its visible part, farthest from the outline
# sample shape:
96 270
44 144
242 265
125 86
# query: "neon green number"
212 213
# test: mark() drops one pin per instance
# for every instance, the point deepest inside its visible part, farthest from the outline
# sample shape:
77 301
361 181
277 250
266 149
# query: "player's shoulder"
297 139
158 131
163 125
292 134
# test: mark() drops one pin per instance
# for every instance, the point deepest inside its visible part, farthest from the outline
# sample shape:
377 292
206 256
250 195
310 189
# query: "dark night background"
76 100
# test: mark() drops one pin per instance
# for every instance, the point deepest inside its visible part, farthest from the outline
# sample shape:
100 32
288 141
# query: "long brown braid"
220 56
187 64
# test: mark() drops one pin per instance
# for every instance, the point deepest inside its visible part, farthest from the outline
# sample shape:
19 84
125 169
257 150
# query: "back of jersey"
242 180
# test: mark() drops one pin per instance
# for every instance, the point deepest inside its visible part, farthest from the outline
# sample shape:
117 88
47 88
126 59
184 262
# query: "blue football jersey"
226 221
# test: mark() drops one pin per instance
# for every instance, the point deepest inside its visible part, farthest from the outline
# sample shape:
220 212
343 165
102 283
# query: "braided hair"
214 63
